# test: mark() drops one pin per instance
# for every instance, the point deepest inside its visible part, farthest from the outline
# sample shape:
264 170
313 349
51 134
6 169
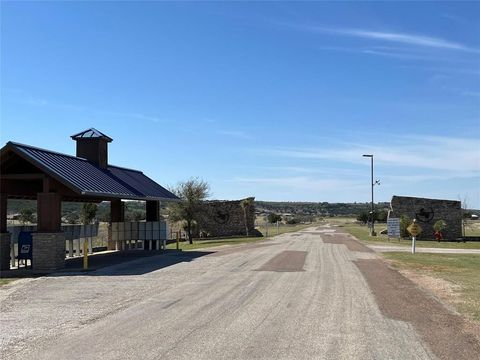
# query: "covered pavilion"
49 177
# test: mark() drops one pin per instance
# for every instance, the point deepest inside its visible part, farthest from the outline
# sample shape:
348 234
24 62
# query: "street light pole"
372 212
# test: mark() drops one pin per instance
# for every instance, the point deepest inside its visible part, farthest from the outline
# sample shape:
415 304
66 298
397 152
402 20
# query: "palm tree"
245 204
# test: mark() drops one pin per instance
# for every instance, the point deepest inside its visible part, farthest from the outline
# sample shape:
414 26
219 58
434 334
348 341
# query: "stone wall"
48 251
429 211
225 218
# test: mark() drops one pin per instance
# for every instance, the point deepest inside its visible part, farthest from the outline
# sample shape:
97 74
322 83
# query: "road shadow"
123 263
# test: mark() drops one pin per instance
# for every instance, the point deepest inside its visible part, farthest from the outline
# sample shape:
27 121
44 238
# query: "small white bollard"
164 244
70 248
12 254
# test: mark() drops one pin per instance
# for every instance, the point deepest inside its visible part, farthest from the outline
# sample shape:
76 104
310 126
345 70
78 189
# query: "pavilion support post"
48 243
152 210
4 235
5 251
152 214
3 213
49 212
117 214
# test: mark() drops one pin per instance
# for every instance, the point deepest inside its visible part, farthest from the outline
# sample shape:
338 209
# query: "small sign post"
414 229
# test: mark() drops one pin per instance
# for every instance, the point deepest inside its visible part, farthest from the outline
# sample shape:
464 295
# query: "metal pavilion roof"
88 179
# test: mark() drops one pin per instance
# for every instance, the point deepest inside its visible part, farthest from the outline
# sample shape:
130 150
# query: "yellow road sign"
414 229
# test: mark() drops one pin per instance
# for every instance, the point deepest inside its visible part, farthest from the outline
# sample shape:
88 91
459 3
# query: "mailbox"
25 245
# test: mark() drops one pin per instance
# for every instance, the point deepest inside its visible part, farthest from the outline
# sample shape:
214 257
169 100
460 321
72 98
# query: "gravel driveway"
298 296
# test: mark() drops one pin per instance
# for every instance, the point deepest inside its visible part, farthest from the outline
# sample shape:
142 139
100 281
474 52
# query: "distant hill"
316 208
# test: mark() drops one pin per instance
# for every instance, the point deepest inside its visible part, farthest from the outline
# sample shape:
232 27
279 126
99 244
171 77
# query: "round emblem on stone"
221 216
424 214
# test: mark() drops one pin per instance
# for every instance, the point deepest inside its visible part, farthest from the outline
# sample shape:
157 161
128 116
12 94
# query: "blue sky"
274 100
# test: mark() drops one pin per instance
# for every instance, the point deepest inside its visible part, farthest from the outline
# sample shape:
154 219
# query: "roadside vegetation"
361 232
201 244
5 281
461 271
272 231
472 227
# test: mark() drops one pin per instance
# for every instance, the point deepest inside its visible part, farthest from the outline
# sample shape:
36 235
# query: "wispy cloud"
460 155
236 134
452 70
300 182
394 37
315 170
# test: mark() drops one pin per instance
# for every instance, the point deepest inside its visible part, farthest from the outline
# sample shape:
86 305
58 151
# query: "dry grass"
453 277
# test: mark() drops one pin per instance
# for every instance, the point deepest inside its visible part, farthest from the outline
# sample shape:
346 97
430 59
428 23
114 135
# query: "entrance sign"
393 227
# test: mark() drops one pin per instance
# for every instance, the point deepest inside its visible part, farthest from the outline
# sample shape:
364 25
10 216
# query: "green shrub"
440 225
363 217
273 218
405 221
293 221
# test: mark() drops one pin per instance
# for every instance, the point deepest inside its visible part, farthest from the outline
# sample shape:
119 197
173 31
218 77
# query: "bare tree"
464 212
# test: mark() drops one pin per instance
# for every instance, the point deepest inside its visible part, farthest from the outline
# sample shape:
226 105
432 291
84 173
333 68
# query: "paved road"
299 296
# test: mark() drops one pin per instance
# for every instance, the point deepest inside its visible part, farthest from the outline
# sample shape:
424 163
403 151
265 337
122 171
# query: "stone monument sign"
427 212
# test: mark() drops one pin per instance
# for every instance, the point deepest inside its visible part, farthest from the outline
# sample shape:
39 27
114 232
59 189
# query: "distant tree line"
78 213
380 216
315 209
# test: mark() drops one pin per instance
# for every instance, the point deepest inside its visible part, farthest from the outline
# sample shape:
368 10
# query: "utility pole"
373 183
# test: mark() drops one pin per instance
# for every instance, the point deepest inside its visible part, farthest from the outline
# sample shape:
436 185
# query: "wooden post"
49 212
152 210
117 211
117 214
